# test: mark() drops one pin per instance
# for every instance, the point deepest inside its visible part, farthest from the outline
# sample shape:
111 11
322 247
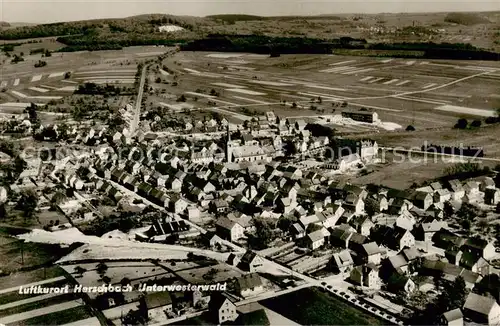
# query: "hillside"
479 29
4 24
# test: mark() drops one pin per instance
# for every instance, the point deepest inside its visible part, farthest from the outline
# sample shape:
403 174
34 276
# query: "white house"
250 285
229 230
483 310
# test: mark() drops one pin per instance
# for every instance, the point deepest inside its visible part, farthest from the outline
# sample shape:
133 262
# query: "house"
366 275
456 189
360 115
406 221
250 262
354 203
297 231
371 253
400 283
472 188
341 235
442 195
397 264
395 238
156 303
343 262
491 196
229 230
249 285
485 183
481 309
222 309
426 231
479 247
179 205
362 225
316 239
422 200
452 318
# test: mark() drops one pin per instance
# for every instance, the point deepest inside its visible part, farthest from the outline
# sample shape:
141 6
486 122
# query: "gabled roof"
249 281
371 248
226 223
452 315
479 304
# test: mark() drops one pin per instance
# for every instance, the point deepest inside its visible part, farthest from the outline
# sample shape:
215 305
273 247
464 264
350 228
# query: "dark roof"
249 281
157 299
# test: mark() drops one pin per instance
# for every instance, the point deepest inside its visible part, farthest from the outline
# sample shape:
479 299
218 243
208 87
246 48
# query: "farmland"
310 306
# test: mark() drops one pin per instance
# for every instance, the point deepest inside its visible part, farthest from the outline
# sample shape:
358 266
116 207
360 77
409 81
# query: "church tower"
229 153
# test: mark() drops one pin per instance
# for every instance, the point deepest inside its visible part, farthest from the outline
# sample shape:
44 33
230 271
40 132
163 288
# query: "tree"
468 212
453 295
410 128
313 227
498 208
476 123
101 268
27 203
448 209
67 75
263 235
461 123
80 270
371 206
31 110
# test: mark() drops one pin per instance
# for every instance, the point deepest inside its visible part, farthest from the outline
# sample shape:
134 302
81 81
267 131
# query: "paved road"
135 121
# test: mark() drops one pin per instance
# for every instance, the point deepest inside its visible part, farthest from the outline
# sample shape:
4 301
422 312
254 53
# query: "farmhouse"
361 115
483 310
249 285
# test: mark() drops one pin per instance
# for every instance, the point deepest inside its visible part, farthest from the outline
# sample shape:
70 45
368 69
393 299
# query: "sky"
46 11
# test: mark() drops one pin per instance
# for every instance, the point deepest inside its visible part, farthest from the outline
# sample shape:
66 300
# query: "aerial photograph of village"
241 169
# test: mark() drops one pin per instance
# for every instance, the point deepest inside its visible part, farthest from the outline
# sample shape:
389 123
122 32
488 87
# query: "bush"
491 120
476 123
410 128
461 124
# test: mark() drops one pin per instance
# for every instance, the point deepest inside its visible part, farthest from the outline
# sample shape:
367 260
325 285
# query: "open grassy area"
20 278
37 304
312 307
16 296
59 318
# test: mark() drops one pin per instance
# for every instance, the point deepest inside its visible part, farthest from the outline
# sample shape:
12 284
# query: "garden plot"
392 81
338 69
178 106
429 85
67 89
224 55
200 95
404 82
164 73
465 110
110 81
57 74
228 85
375 80
117 71
251 100
36 78
39 90
242 68
222 272
21 95
342 63
245 91
324 87
16 82
192 71
358 71
270 83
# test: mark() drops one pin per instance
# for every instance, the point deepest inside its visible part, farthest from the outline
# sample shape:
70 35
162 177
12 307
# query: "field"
312 307
16 255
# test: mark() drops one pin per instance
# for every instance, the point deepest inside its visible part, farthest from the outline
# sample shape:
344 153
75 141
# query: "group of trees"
40 64
453 296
